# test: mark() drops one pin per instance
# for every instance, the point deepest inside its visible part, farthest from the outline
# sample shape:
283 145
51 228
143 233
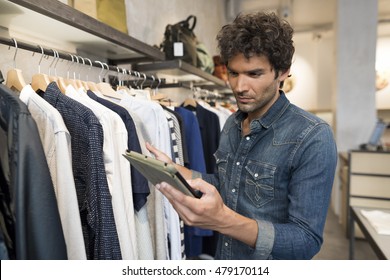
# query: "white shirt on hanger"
154 208
56 142
117 171
153 117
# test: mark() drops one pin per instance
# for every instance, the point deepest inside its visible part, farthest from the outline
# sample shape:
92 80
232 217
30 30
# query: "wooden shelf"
53 22
184 73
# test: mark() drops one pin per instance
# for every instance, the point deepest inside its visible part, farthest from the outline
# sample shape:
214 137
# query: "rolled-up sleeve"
265 239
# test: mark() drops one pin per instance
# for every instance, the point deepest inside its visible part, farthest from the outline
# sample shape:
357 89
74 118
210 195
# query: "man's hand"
185 172
205 212
158 154
210 212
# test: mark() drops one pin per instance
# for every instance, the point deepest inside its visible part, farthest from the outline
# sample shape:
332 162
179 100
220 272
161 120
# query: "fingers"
201 185
179 201
170 192
151 148
158 154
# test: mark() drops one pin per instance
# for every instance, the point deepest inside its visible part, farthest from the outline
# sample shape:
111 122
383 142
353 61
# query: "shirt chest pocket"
259 183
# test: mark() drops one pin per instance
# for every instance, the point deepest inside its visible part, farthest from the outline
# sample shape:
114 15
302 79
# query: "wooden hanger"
92 86
190 102
54 78
65 82
121 85
168 103
156 95
61 84
82 83
40 81
105 88
79 83
15 78
89 85
159 96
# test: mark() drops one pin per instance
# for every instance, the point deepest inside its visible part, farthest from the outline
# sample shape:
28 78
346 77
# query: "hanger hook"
119 80
55 65
144 79
153 79
90 67
130 74
16 51
83 61
108 69
159 83
77 61
39 63
54 59
139 78
71 55
100 74
137 75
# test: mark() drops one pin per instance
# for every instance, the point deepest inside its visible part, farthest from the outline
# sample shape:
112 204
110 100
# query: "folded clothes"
380 220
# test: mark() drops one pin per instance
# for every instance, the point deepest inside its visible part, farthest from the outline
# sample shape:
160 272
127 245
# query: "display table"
379 242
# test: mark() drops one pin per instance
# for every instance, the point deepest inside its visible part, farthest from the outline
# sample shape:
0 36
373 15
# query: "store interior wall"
314 57
147 19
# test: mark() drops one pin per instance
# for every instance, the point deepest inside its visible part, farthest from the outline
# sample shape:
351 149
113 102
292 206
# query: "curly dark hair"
258 34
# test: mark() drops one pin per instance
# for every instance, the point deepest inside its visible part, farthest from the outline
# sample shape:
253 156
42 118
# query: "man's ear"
284 75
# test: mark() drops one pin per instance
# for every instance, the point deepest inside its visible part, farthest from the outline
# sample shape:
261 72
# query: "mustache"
241 94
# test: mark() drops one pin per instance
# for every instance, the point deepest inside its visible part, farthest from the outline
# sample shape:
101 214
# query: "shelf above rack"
59 24
183 72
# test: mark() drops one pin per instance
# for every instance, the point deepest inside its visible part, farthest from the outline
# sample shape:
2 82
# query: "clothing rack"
74 58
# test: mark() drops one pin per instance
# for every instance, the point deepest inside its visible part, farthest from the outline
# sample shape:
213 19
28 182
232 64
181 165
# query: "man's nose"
241 84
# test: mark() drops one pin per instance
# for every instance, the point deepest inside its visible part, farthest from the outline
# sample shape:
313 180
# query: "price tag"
178 49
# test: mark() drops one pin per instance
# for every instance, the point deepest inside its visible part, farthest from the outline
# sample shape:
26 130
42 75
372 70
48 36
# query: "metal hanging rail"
71 57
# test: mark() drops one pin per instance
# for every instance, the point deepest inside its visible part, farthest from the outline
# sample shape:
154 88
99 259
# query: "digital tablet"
157 171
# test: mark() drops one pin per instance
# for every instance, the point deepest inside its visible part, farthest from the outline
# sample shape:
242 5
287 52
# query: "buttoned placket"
232 192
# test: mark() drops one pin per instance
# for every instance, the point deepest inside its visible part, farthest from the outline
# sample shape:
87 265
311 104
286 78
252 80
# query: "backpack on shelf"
180 42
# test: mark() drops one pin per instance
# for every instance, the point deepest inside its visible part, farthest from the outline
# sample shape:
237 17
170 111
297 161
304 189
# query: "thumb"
201 185
151 148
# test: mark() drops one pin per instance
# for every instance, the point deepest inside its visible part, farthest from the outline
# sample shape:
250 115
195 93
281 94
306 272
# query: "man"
276 162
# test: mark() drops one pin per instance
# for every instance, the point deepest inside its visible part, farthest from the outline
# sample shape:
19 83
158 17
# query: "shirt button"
248 138
238 163
226 244
233 190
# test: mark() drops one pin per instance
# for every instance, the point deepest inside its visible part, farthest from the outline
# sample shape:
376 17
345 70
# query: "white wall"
313 69
303 71
383 65
147 19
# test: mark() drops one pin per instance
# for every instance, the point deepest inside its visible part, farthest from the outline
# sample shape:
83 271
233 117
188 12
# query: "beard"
260 102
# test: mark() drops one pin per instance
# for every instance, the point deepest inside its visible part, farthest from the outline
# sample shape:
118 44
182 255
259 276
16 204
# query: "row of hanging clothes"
67 191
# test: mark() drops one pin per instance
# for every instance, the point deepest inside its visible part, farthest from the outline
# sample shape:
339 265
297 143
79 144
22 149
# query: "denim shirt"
280 175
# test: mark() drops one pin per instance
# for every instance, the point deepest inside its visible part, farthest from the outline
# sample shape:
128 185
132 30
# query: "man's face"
254 84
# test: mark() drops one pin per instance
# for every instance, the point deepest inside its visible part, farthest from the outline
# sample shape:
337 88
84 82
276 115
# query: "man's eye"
254 74
233 74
